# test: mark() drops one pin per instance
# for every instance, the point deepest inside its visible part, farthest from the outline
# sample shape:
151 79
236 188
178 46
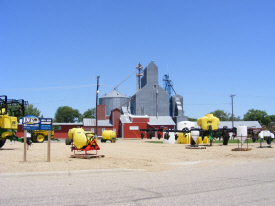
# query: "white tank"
195 135
242 133
185 124
171 139
265 133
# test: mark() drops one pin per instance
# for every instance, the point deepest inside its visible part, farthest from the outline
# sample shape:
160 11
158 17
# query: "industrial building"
151 107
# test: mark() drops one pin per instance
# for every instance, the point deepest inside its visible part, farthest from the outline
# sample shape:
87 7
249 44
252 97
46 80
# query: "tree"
90 113
272 118
257 115
222 115
31 110
192 119
67 114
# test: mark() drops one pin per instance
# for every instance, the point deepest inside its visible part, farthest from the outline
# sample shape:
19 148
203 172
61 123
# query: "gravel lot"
126 154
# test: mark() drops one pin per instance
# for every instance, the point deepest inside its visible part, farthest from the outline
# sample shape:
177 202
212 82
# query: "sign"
133 128
31 122
46 123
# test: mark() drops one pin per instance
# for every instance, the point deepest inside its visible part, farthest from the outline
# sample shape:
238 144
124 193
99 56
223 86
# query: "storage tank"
184 138
185 124
195 135
207 120
108 135
80 137
242 133
113 100
266 133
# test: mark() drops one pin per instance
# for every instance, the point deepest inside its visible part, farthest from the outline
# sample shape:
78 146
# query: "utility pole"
96 104
232 95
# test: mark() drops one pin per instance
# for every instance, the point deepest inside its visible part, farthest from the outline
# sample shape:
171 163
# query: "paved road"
247 183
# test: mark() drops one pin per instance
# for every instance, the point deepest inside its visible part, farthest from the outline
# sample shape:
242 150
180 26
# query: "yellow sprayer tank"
184 138
8 122
207 120
108 135
80 137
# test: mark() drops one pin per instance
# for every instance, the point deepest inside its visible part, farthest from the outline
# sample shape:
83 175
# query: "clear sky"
51 51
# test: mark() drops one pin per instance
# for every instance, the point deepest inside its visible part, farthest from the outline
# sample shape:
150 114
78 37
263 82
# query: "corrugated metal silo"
176 105
113 100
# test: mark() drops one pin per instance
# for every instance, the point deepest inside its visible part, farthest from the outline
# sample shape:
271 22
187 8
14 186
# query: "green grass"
158 142
234 141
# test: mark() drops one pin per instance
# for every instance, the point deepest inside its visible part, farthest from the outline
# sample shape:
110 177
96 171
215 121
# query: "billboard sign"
31 122
46 123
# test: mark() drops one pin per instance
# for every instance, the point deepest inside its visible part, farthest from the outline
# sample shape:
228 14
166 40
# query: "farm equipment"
266 135
10 109
208 129
38 136
81 140
108 135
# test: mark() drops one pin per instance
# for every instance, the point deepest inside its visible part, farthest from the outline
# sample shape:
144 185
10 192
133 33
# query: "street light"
97 91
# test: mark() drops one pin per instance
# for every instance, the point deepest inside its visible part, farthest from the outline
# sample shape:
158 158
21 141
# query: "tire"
225 140
33 139
40 138
68 141
2 142
254 138
268 140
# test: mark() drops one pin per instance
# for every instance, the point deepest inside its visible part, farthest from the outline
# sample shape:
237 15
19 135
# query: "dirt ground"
126 154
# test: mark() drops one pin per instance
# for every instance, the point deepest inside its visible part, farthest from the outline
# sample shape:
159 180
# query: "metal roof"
255 124
114 93
92 122
125 110
161 120
125 119
153 120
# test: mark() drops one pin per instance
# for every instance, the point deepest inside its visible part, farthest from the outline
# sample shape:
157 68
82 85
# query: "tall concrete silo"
113 100
151 99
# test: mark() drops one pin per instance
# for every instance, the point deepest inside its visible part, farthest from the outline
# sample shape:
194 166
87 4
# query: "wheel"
2 142
68 141
225 140
268 140
40 138
33 139
254 138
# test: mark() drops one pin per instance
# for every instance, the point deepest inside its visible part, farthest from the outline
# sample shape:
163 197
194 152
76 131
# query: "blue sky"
52 51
